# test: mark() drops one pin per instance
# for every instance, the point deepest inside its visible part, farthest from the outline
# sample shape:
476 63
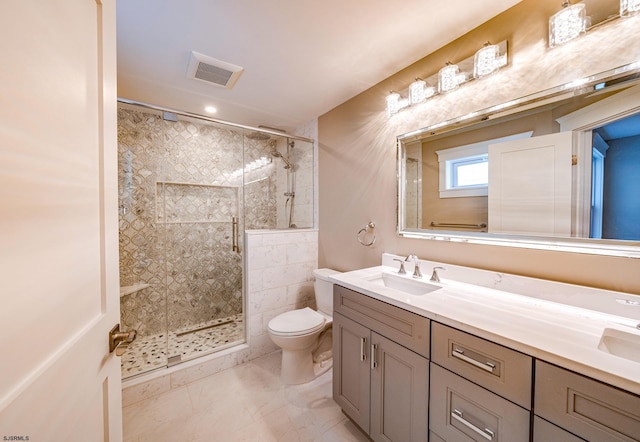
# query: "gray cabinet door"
399 392
351 372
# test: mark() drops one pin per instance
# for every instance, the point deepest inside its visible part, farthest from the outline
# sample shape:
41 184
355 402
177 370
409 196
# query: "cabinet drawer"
586 407
497 368
461 411
544 431
405 328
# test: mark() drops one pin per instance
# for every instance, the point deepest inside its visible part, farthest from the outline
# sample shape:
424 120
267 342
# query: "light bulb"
448 78
487 60
567 24
393 103
629 7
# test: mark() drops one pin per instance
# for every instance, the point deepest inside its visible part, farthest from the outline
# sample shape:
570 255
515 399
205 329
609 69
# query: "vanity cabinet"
402 377
479 390
381 385
585 407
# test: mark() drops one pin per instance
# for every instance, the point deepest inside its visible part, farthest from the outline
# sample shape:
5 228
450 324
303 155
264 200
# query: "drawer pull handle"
486 433
363 355
374 364
459 353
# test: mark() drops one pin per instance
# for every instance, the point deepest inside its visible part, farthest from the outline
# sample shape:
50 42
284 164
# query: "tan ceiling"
301 58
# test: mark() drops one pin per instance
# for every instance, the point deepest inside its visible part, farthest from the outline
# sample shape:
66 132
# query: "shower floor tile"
150 352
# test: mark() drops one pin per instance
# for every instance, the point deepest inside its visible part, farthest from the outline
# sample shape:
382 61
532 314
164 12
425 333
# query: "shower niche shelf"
184 183
192 203
130 289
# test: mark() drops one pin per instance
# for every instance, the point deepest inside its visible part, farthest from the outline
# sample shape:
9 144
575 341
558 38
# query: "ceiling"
301 58
624 128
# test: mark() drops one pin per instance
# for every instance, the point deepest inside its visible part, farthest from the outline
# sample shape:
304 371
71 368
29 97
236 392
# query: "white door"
530 185
58 222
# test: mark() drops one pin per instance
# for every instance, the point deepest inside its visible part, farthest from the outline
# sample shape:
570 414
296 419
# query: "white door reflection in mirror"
530 185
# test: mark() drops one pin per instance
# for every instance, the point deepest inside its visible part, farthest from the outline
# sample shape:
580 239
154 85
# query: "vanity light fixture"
419 91
567 24
484 62
449 78
488 60
629 7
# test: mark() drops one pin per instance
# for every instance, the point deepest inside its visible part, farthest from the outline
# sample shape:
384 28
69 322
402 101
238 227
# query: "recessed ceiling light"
210 109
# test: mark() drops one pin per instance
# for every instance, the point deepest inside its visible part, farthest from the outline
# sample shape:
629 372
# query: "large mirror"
557 170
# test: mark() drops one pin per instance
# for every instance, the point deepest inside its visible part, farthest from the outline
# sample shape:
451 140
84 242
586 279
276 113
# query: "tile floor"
150 352
244 403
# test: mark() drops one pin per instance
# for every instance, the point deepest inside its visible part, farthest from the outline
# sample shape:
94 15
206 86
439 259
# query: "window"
469 172
464 170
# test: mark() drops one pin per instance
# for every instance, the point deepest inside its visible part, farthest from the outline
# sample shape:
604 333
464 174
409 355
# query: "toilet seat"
297 322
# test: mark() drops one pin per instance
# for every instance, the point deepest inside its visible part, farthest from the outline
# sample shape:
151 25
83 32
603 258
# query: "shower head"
287 163
259 136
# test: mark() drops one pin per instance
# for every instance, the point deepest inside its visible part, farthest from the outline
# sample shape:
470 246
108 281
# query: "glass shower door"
201 215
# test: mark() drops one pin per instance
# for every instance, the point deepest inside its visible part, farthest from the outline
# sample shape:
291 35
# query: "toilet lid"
297 322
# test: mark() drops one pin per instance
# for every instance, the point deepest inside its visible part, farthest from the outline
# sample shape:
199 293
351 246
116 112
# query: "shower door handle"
234 234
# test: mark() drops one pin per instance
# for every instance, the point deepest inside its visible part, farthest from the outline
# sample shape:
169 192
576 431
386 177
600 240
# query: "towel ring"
365 229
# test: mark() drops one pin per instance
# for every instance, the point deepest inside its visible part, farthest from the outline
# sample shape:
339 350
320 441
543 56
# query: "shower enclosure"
188 189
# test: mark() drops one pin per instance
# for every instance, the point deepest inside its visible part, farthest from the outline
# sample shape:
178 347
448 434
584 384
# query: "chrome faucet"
434 275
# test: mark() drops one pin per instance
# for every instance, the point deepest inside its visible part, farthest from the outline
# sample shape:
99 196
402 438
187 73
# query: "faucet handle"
401 271
434 275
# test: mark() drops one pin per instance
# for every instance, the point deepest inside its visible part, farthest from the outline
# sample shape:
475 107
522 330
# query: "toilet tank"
323 289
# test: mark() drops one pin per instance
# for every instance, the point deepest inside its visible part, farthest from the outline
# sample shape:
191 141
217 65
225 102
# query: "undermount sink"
622 343
404 284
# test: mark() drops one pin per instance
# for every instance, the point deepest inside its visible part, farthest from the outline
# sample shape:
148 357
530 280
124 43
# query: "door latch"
119 340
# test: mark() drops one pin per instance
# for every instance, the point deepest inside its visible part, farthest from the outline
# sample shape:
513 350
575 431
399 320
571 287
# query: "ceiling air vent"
213 71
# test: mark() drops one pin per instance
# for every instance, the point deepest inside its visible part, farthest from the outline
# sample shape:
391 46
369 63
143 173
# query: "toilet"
304 335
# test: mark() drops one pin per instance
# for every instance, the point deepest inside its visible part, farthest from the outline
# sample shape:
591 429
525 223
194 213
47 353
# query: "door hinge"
574 160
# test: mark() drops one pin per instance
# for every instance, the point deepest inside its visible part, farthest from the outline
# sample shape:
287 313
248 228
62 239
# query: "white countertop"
565 335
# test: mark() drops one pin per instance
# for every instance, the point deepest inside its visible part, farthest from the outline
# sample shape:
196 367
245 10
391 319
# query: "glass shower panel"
300 211
201 206
142 257
278 182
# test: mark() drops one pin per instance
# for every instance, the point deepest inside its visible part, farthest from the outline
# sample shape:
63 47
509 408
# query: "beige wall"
357 149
